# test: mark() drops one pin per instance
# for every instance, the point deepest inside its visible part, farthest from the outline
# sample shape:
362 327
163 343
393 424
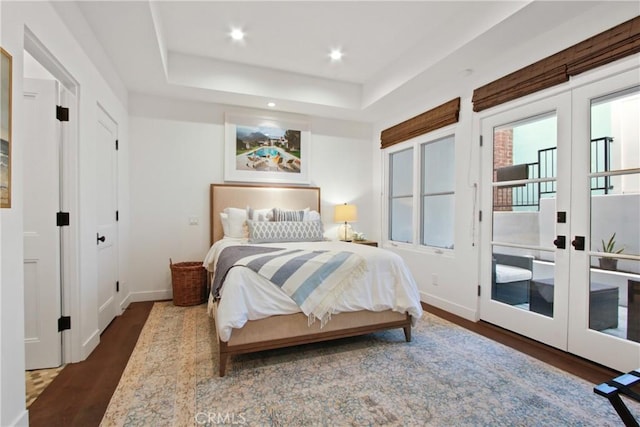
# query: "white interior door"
41 235
107 232
604 316
526 164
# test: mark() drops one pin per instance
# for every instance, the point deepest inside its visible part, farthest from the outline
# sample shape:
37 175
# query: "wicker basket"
189 283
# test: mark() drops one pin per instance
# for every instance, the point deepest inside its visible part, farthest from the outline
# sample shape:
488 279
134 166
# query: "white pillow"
311 215
224 218
237 222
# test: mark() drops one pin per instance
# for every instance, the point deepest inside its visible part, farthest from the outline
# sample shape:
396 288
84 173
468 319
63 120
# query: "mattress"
386 284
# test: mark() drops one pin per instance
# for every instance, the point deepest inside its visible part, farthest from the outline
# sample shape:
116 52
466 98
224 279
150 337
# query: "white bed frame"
293 329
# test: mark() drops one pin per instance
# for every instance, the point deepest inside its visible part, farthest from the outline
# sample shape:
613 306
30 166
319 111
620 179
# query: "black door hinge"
479 290
117 286
62 113
64 323
117 216
480 216
116 145
62 219
480 140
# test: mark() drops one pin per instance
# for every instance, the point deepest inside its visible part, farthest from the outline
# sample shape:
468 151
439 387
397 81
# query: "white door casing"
107 230
43 348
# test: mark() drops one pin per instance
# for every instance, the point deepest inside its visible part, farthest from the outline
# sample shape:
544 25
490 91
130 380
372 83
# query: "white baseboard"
457 309
161 295
89 345
22 420
125 303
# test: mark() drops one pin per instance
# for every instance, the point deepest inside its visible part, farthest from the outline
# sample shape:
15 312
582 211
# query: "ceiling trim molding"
158 29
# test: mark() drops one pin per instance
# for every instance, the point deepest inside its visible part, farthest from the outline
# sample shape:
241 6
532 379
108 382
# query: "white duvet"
386 285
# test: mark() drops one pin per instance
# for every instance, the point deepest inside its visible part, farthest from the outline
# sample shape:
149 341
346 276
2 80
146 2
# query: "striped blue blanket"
313 279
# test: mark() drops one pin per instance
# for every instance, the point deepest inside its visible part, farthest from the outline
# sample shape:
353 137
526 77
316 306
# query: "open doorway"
50 196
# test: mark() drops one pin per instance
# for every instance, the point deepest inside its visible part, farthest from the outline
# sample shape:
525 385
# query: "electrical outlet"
434 279
193 220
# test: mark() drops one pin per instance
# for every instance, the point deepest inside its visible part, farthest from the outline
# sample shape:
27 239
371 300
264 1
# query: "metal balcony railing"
529 195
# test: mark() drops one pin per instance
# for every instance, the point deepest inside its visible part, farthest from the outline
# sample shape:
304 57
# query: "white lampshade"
346 213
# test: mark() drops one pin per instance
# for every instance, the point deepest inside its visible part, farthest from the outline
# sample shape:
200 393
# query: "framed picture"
262 149
5 129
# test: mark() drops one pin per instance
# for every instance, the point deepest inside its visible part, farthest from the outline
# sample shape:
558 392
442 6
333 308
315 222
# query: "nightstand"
365 242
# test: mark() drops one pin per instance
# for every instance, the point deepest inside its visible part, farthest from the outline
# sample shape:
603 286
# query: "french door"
562 186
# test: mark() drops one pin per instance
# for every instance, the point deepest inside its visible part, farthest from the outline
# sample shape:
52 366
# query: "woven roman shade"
608 46
428 121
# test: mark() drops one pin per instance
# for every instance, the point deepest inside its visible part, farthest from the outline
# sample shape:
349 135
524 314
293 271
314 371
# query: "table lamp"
345 214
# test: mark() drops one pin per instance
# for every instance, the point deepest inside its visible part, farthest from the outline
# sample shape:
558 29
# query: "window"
435 195
429 180
438 193
401 196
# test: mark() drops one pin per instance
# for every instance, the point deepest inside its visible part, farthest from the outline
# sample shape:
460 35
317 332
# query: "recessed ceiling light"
336 54
271 104
237 34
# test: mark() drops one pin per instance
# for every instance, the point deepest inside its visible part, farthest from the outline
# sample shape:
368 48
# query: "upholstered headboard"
258 197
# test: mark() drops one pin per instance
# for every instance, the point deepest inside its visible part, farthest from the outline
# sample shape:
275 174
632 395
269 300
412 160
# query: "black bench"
621 385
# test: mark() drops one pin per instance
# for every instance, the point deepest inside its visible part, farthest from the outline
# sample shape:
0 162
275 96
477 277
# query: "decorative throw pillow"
285 231
259 214
288 215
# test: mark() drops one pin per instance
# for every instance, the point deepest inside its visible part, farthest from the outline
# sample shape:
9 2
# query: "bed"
251 314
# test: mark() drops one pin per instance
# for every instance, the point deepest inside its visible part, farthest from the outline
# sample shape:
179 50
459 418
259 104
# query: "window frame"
416 144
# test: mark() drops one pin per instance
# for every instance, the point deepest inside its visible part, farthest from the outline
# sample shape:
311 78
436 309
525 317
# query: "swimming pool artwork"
266 150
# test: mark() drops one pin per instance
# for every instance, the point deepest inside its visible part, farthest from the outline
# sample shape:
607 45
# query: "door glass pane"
524 213
615 209
614 300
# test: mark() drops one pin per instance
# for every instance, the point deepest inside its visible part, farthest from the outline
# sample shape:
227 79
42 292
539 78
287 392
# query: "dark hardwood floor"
79 395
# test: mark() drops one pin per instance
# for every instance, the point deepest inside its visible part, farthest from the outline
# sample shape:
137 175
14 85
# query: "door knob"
100 238
560 242
578 243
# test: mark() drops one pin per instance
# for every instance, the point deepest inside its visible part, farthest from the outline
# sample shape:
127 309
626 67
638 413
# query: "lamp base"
345 233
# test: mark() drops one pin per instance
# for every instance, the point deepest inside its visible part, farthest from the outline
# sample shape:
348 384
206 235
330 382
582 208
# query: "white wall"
177 150
42 21
458 274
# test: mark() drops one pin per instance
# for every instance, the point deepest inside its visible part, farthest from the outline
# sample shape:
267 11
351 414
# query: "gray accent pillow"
285 231
287 215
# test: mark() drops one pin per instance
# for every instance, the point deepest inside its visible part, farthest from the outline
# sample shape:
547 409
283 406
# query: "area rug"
447 376
37 380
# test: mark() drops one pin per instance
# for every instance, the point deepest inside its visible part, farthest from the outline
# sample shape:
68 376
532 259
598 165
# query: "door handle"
560 242
100 238
578 243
